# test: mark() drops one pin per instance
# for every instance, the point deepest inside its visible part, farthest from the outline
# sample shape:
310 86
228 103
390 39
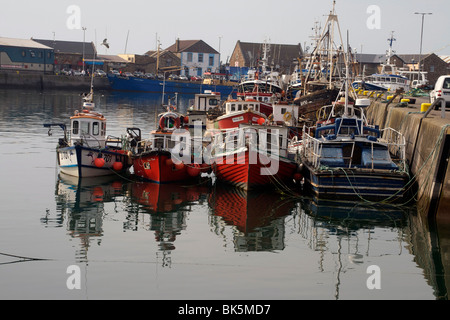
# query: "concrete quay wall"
427 150
50 82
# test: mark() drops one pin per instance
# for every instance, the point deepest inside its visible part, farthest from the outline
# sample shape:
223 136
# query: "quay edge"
22 80
427 149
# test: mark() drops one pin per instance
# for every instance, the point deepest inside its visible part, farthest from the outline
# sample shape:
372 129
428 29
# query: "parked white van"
441 90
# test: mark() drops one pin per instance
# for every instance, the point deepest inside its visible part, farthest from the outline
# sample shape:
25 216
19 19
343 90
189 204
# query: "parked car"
139 74
115 72
150 76
173 77
196 78
127 74
100 73
441 90
183 77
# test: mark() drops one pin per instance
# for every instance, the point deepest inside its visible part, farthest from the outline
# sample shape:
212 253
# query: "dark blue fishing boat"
137 84
343 156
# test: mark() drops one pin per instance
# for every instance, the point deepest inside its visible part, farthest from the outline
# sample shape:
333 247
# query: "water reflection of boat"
354 215
256 216
80 204
162 198
344 230
166 205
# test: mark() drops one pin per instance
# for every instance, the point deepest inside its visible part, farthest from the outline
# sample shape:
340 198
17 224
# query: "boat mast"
327 46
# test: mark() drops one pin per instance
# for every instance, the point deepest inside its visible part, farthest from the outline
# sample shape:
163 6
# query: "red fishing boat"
253 156
238 111
154 159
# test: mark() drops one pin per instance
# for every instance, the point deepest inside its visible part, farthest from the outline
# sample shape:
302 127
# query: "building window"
211 60
189 57
199 72
200 57
431 68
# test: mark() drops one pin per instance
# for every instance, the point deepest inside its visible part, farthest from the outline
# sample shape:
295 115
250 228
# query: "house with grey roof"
196 57
281 57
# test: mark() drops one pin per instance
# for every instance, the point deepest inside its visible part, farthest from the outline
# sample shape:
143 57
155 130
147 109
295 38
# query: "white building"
196 56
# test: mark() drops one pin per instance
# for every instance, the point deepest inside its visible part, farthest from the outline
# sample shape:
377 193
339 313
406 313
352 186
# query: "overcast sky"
223 23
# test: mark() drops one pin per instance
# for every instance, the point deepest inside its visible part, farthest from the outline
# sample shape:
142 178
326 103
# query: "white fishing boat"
86 150
389 79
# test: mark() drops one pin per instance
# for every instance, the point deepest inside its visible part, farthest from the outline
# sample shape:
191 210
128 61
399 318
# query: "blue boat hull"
169 87
369 185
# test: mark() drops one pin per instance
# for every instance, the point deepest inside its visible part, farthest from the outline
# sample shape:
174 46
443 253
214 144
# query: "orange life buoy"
162 121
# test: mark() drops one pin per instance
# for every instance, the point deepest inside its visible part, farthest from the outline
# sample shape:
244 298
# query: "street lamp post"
84 36
421 39
220 40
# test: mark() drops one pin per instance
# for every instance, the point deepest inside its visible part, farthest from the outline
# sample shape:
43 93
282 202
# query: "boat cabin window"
85 127
213 102
171 144
103 128
96 128
75 127
239 107
158 142
233 107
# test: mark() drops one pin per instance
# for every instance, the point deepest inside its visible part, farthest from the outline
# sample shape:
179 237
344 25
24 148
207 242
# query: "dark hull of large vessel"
136 84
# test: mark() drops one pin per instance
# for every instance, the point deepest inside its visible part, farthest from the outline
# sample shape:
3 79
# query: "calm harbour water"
135 240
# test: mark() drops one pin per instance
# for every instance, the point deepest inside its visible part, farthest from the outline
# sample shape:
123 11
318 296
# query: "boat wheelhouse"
240 111
203 107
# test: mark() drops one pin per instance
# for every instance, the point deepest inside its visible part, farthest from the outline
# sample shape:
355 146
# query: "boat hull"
157 166
250 170
157 86
79 161
368 86
310 103
348 183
